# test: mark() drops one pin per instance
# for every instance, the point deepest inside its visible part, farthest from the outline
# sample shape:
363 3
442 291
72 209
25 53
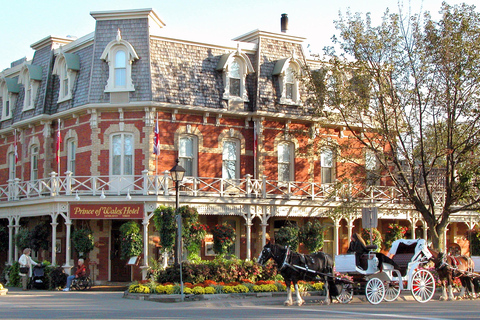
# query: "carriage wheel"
392 291
375 291
423 285
346 295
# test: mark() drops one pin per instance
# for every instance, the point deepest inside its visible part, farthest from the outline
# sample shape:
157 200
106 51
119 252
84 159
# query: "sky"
24 22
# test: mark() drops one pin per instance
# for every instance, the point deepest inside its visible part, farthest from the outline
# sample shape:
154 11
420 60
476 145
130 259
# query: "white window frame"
12 166
34 155
8 101
109 55
237 158
327 164
71 155
286 145
183 157
245 68
123 166
31 87
67 76
288 71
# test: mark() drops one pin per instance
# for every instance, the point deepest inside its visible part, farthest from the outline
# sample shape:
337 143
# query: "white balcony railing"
162 185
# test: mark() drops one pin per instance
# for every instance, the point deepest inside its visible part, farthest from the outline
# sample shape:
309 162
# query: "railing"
162 185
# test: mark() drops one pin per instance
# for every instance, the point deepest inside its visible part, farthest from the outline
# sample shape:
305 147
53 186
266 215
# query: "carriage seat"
403 256
371 247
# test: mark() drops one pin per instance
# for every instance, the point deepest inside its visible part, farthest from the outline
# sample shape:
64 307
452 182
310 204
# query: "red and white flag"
255 146
156 140
59 141
15 146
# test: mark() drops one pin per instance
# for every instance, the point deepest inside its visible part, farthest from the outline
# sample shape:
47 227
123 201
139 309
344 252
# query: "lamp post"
177 173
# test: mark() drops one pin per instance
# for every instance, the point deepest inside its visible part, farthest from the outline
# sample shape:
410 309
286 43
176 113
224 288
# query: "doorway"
120 272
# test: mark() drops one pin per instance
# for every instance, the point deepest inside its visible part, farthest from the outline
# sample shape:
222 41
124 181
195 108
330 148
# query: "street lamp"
177 173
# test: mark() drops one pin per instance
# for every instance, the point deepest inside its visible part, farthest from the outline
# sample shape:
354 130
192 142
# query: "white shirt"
26 261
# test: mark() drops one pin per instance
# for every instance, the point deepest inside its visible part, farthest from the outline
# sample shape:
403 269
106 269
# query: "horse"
294 266
449 268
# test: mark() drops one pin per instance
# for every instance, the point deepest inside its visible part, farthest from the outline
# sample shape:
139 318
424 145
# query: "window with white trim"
187 154
34 162
66 68
30 77
235 67
121 159
285 161
120 55
12 168
231 159
371 168
8 91
327 162
287 71
71 155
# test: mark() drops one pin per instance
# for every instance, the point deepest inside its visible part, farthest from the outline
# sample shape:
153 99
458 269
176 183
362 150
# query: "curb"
3 292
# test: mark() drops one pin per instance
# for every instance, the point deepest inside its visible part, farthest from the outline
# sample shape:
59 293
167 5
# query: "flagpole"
58 148
255 137
156 155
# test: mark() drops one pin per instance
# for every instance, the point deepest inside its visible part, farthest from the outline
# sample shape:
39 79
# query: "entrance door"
120 272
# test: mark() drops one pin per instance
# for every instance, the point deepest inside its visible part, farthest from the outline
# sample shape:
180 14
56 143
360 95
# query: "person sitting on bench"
358 246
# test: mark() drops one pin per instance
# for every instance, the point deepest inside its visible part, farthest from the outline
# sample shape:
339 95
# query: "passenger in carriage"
358 246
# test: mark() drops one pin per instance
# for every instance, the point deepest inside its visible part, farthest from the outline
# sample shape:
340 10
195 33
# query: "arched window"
187 154
287 71
34 162
119 54
285 161
327 162
9 89
66 68
120 69
122 154
71 155
235 67
11 166
231 159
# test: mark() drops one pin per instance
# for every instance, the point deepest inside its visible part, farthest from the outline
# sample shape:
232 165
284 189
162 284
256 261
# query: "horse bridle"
287 253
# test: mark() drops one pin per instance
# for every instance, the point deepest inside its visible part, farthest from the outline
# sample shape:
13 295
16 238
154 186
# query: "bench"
403 256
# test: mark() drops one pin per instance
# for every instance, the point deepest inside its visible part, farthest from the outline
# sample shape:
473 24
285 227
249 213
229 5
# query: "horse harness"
287 262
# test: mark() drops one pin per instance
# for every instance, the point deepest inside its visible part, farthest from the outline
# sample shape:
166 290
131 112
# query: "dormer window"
30 77
235 67
66 67
119 54
9 89
287 71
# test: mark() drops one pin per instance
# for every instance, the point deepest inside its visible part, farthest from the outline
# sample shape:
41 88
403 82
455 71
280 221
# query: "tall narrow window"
285 161
187 154
34 163
71 155
120 69
122 154
234 75
371 168
289 83
11 166
64 80
230 159
327 164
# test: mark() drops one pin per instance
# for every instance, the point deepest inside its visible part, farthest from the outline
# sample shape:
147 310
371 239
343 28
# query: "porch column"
144 267
249 238
336 227
413 223
68 227
10 240
16 226
264 233
54 241
425 231
349 228
445 239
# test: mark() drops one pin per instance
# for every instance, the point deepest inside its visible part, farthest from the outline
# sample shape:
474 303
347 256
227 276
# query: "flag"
156 140
15 146
59 141
255 141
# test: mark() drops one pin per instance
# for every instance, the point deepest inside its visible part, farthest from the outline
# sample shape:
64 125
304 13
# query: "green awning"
35 72
72 60
12 85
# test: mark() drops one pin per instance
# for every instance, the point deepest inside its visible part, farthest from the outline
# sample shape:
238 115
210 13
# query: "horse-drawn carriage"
385 282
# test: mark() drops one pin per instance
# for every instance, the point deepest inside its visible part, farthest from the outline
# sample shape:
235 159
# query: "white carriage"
409 255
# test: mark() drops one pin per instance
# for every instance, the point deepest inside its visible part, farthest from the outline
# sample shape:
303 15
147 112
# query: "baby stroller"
38 280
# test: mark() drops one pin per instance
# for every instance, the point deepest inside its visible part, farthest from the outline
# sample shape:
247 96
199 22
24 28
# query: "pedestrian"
26 263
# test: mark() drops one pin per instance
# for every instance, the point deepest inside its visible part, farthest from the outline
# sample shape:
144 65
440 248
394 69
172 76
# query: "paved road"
111 305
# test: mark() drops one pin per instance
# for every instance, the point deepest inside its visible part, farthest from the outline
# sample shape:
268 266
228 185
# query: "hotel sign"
101 211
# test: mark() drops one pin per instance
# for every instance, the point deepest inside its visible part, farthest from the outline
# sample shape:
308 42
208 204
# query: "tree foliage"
83 241
288 235
408 91
311 235
131 240
164 218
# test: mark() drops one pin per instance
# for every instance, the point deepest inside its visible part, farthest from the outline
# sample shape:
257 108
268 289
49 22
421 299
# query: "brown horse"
449 268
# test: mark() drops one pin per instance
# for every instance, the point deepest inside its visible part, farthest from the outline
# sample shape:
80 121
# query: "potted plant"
82 241
311 235
394 232
223 238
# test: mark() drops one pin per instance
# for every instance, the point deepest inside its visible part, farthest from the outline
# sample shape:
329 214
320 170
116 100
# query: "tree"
408 91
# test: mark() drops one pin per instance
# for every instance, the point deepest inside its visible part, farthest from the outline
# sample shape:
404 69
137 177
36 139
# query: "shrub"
164 289
394 232
198 290
131 240
3 239
22 239
138 288
209 290
376 237
223 238
311 235
164 218
82 241
39 237
13 276
288 235
473 237
56 277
